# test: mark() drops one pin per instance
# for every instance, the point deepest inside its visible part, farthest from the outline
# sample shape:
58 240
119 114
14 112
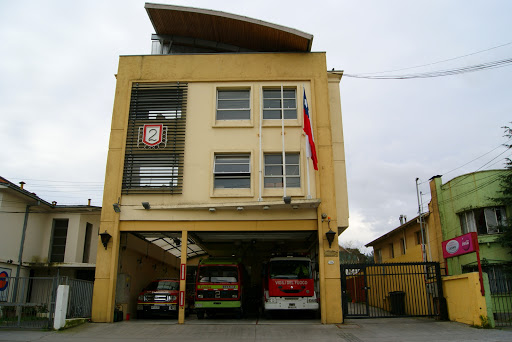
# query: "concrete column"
61 307
183 276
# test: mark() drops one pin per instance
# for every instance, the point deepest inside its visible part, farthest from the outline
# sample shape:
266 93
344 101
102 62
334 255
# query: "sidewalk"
402 329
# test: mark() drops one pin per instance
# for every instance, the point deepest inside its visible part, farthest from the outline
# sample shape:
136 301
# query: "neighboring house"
208 157
465 204
462 205
58 239
403 244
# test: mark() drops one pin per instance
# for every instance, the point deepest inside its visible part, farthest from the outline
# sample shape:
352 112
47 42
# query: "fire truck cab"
289 285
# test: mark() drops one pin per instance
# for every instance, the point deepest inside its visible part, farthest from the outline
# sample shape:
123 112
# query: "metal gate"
392 290
27 302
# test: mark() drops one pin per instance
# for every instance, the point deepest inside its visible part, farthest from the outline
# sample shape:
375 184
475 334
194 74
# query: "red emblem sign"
152 134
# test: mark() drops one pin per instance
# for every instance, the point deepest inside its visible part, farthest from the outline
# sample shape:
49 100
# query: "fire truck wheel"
200 314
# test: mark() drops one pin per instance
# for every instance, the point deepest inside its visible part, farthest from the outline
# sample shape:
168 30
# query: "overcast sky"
58 60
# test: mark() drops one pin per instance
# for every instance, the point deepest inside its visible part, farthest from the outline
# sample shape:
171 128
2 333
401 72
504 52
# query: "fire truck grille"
291 291
212 294
155 298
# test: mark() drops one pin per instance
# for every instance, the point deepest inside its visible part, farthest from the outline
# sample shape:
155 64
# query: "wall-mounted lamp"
105 238
239 208
330 234
295 207
117 207
146 205
212 210
266 207
287 199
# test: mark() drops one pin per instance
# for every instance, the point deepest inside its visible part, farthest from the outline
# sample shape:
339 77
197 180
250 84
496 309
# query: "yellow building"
195 161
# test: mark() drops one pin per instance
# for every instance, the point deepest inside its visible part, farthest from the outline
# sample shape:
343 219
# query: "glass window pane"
273 170
292 182
273 159
273 182
232 183
292 170
233 104
233 94
289 93
490 220
289 103
272 114
292 158
236 159
233 115
290 114
272 103
231 168
272 93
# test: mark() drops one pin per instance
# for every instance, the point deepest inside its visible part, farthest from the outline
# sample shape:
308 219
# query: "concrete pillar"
183 277
61 307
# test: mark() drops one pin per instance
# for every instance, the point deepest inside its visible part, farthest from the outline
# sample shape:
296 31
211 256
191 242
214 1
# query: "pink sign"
463 244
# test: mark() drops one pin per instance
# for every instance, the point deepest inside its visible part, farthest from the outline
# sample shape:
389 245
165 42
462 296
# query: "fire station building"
208 158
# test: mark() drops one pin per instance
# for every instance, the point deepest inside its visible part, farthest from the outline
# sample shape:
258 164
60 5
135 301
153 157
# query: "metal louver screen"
155 141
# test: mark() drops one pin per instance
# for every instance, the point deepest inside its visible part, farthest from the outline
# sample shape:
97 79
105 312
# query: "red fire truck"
289 285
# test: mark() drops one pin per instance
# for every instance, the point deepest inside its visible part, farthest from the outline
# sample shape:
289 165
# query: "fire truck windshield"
218 274
163 285
290 269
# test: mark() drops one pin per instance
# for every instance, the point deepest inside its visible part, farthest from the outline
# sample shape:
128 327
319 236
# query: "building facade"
466 204
207 155
45 239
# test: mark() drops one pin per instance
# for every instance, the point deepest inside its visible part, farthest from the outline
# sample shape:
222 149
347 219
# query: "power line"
440 73
442 61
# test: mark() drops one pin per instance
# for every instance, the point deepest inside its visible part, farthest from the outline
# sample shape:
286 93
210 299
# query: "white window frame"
240 174
270 108
243 109
495 214
289 175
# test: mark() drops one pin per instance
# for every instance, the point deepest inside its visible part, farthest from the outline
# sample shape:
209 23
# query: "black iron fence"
500 283
392 290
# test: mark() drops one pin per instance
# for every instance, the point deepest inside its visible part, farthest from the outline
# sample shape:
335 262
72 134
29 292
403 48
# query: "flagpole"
282 139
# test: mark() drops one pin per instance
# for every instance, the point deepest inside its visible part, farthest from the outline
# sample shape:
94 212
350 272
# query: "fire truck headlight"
272 300
172 298
233 296
199 296
311 300
141 298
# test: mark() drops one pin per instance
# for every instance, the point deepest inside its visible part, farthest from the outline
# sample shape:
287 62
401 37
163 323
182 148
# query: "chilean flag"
310 142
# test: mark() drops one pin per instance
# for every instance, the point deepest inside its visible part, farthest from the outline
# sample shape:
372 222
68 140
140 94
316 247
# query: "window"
274 170
87 242
232 171
378 255
276 101
233 104
482 220
150 168
391 251
418 237
402 246
59 237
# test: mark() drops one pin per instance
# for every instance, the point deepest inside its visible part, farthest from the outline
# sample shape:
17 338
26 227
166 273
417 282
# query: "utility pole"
423 250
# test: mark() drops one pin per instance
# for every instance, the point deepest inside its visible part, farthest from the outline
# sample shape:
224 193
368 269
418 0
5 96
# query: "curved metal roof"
225 28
